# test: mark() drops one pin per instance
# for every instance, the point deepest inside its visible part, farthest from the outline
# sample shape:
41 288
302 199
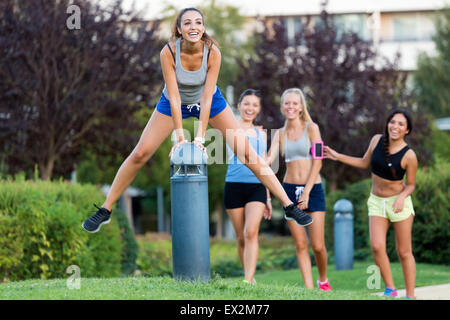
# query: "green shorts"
382 207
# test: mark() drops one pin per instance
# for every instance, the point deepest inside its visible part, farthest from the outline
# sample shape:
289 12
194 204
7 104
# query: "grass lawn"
276 285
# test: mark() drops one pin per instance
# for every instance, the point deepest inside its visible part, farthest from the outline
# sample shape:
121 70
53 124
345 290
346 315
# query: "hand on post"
177 145
199 142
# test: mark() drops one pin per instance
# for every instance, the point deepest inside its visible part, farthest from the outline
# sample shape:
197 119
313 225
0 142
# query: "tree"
349 89
432 78
63 90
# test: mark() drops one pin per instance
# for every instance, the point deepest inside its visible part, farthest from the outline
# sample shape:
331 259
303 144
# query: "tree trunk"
333 184
46 169
334 179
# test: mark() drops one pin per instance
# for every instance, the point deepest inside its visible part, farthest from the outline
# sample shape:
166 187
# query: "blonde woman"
302 182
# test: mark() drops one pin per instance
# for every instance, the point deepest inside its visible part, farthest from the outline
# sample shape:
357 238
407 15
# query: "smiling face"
291 106
397 127
249 107
191 26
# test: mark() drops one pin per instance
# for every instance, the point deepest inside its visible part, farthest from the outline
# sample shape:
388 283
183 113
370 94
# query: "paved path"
438 292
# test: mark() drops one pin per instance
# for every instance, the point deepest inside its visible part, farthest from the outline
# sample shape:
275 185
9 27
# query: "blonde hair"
304 115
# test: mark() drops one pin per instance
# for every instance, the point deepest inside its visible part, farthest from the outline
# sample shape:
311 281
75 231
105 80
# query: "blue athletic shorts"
218 104
316 196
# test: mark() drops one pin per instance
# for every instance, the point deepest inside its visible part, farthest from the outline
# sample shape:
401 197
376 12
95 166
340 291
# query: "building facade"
400 26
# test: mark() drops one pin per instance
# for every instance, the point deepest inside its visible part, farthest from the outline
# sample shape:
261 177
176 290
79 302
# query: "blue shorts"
316 196
218 104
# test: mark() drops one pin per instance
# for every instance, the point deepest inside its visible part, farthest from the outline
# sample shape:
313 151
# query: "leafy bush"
155 254
11 247
130 246
439 144
431 232
275 253
41 234
431 229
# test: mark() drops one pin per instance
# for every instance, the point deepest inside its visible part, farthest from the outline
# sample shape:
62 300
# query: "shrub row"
41 234
275 253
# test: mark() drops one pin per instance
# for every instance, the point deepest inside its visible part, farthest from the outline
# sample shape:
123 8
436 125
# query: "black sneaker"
292 212
94 222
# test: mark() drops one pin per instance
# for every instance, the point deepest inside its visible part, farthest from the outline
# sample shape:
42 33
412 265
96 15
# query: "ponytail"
385 138
387 155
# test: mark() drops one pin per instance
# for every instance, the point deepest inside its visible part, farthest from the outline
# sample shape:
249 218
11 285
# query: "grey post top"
343 206
190 83
188 154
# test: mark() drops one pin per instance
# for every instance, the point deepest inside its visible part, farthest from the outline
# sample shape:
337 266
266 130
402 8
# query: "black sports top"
381 168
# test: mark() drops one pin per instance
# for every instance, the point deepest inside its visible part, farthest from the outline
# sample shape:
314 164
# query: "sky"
154 8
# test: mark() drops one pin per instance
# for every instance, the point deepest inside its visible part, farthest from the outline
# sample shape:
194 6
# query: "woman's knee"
301 246
139 155
240 239
245 153
251 234
404 254
318 247
378 247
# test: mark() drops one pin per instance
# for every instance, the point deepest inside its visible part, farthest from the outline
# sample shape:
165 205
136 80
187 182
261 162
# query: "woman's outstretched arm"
361 163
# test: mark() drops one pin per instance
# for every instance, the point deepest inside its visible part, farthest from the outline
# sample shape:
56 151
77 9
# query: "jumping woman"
190 64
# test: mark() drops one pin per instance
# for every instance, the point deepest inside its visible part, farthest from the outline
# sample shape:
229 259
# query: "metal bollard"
343 235
190 219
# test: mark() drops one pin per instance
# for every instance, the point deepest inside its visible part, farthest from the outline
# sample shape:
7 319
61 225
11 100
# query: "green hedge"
431 232
155 254
130 246
275 253
41 234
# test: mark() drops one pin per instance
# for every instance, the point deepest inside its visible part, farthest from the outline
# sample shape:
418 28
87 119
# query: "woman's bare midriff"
386 188
297 172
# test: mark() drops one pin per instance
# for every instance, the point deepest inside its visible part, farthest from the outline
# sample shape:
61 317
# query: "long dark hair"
406 114
177 24
249 92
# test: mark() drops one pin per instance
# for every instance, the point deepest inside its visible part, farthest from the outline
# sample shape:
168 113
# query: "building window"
294 25
356 23
412 27
404 28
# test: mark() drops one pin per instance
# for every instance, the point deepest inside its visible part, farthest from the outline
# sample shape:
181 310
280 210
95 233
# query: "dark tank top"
381 168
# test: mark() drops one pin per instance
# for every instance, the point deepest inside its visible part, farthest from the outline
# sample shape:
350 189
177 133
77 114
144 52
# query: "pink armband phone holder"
317 150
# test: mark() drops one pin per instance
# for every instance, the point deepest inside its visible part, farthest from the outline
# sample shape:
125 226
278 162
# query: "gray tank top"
299 149
190 83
